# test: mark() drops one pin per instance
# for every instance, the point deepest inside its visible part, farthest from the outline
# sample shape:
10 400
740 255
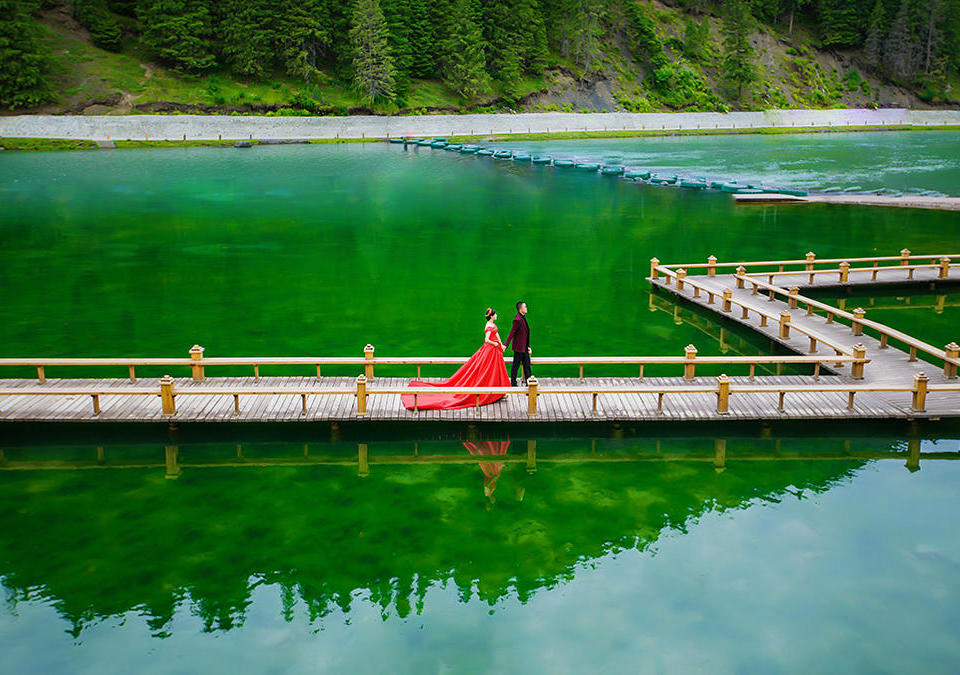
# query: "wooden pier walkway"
861 369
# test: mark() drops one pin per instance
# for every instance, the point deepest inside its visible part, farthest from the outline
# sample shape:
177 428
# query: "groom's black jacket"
519 334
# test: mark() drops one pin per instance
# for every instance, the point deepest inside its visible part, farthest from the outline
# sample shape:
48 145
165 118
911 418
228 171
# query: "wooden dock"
861 369
859 199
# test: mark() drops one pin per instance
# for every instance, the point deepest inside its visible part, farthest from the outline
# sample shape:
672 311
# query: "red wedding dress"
484 369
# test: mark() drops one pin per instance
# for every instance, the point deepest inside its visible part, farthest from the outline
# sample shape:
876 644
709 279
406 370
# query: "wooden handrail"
839 349
757 263
883 329
835 270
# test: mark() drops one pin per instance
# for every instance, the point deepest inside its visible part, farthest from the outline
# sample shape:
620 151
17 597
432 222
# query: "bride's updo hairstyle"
490 312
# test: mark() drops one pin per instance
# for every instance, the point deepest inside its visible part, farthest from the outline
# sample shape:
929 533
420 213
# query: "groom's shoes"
513 383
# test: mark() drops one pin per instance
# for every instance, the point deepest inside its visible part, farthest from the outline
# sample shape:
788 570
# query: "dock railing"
724 389
678 273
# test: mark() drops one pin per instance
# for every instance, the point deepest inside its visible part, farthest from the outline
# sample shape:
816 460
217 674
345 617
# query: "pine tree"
951 32
899 50
841 23
373 71
873 45
463 59
104 29
737 67
304 36
179 32
645 43
399 15
23 60
249 35
586 33
932 34
696 35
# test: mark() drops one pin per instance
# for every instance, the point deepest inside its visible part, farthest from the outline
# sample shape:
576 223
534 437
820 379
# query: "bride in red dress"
484 369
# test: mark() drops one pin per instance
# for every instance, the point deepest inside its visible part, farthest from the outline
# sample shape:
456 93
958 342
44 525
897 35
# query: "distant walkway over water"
860 368
237 127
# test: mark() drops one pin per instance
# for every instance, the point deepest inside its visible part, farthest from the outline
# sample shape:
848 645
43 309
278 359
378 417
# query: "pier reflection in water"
140 536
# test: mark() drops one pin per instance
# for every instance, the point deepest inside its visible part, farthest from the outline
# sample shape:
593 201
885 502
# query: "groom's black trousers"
520 358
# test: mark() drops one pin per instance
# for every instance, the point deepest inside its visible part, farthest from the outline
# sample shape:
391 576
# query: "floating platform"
903 201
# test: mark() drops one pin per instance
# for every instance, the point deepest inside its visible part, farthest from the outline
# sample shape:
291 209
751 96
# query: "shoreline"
41 144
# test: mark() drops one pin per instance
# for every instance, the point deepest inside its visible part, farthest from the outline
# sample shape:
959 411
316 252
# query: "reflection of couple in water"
491 470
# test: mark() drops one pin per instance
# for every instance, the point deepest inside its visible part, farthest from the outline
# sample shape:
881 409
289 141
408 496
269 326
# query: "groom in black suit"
520 336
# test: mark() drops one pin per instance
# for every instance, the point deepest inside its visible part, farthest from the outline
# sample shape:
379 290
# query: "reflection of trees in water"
101 543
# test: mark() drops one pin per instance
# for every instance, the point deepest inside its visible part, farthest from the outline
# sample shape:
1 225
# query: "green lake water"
259 549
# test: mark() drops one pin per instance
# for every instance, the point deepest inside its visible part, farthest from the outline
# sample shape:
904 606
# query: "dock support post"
654 263
944 268
720 455
689 353
905 256
784 324
532 386
361 395
712 269
856 325
363 461
949 369
727 294
844 272
723 395
919 393
681 275
167 395
792 299
913 455
368 366
196 355
171 453
856 368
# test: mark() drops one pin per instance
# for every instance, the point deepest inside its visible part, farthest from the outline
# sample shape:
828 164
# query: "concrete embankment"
204 127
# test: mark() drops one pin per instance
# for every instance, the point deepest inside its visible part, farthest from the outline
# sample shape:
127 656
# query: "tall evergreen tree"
304 37
373 70
841 22
179 32
696 35
899 50
463 59
645 43
104 29
737 67
587 31
23 59
248 34
951 32
399 15
873 46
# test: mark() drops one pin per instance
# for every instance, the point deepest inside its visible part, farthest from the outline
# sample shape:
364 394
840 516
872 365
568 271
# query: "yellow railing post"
952 351
741 271
368 366
167 396
792 299
361 395
784 324
856 368
689 368
712 269
811 256
844 272
654 272
727 294
196 355
856 324
532 386
905 256
944 268
723 394
919 393
681 275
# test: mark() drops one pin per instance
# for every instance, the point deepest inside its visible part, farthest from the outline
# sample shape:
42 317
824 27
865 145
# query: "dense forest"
475 47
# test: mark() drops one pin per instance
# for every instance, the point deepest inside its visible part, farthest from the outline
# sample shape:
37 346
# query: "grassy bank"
46 144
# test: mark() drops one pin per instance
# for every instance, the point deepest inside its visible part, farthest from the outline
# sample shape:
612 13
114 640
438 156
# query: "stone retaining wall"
207 127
